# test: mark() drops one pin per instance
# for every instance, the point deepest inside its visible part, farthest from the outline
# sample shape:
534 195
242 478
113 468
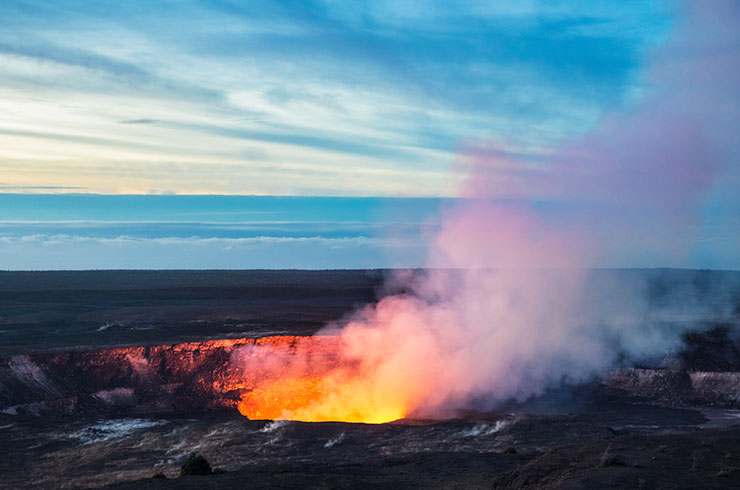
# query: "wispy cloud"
303 99
17 188
139 121
272 252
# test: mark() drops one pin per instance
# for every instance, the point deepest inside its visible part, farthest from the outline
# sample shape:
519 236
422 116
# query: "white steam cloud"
505 311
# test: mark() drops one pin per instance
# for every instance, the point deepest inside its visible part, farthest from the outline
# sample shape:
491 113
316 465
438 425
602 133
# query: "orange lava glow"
335 397
310 379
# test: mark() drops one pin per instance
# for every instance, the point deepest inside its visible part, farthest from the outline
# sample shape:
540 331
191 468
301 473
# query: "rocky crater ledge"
210 376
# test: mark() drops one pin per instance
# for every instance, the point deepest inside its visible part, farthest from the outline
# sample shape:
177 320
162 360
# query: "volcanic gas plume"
502 312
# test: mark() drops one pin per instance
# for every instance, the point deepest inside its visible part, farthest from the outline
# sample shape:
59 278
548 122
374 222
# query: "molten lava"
338 396
310 379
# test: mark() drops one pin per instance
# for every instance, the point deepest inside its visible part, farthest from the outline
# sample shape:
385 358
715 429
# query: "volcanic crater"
75 416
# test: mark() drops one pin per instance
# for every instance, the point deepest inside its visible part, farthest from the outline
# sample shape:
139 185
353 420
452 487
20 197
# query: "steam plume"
503 311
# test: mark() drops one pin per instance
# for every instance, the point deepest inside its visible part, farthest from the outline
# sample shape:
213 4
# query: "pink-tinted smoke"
503 312
507 316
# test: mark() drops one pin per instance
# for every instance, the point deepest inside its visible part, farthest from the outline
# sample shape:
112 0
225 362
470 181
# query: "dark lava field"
114 378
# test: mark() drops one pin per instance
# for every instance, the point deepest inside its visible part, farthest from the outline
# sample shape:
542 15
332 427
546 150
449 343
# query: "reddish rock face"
193 376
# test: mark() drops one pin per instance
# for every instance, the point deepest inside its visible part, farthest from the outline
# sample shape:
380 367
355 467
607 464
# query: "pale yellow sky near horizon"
72 147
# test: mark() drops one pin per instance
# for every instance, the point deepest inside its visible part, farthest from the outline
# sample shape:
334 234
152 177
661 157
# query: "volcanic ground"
116 377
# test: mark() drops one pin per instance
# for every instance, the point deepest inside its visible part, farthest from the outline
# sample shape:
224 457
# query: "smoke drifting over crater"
507 307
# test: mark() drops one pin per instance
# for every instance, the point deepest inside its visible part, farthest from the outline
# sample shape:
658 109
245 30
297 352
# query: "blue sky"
131 132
